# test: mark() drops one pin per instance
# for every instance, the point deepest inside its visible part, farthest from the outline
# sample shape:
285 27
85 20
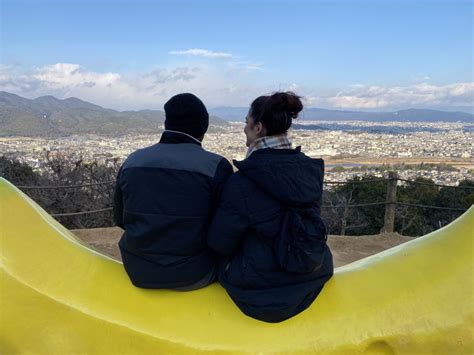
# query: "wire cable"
433 184
80 213
66 186
354 182
356 205
431 207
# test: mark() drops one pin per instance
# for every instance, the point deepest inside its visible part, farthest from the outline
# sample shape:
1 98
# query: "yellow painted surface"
58 296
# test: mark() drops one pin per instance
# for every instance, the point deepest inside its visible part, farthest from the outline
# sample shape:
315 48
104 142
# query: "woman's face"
252 130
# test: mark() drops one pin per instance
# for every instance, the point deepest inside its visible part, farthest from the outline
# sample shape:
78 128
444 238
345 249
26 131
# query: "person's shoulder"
221 163
316 161
139 154
143 151
213 156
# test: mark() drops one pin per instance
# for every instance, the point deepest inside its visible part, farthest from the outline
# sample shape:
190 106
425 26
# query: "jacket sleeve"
230 220
118 203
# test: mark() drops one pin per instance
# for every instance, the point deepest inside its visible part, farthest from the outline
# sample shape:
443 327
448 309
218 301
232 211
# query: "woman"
267 228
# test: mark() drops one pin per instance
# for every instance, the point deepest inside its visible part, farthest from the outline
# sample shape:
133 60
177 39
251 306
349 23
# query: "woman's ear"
259 129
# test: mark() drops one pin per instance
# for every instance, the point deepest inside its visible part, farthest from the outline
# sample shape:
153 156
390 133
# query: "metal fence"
390 203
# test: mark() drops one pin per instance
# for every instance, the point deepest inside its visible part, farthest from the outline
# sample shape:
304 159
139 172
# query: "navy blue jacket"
165 197
247 221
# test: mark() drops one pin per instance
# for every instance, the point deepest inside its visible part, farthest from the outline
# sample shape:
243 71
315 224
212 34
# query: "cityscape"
364 244
446 149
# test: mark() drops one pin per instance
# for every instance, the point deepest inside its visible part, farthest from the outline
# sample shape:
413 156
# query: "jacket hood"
286 174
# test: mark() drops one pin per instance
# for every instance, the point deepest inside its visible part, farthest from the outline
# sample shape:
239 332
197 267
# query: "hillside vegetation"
49 116
340 218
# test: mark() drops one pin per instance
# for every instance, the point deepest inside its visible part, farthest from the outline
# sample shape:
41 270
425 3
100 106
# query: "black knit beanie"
186 113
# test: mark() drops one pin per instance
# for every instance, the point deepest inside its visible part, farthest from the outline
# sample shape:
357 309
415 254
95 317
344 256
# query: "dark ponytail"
276 112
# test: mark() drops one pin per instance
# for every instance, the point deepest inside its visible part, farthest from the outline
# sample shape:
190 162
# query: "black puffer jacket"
249 219
164 199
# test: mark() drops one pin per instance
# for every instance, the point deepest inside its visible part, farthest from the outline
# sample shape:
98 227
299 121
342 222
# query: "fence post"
391 203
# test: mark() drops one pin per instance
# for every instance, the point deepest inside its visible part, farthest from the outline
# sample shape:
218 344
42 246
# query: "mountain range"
49 116
319 114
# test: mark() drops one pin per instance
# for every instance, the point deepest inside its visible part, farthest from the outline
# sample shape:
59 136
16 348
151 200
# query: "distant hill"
318 114
49 116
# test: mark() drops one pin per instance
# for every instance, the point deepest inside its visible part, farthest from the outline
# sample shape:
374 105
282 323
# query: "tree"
17 173
453 197
362 190
413 221
65 170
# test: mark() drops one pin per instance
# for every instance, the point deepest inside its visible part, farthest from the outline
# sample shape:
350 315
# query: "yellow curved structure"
58 296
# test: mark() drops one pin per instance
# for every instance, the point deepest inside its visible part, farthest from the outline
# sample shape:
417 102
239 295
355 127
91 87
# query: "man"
164 199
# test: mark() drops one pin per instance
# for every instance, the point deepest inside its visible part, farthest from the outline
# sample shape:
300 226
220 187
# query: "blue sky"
342 54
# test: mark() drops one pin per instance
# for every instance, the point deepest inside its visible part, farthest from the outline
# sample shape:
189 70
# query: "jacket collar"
175 137
265 156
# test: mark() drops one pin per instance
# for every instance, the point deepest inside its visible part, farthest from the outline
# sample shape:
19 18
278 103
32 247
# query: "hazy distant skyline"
366 55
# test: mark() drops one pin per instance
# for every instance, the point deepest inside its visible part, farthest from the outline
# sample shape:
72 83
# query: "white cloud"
420 77
217 85
377 96
293 87
73 76
214 85
203 53
250 66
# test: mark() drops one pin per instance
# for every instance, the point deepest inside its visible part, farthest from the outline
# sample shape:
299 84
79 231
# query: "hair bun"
287 102
276 112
